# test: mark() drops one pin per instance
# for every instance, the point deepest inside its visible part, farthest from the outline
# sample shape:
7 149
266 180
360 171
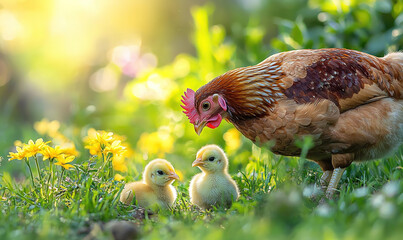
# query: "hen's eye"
206 106
160 172
211 159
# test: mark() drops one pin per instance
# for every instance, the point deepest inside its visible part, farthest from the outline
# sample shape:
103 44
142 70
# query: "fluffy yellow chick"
213 186
155 190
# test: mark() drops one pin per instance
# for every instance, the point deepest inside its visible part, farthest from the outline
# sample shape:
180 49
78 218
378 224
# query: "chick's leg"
334 180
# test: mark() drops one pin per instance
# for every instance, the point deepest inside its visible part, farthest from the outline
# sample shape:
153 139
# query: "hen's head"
204 112
240 94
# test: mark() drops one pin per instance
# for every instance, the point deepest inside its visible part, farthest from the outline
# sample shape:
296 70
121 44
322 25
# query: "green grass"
275 203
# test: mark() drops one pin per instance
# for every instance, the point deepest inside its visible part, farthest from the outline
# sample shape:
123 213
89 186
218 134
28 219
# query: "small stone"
123 230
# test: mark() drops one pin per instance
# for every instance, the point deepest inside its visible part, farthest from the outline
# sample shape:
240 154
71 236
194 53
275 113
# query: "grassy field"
279 200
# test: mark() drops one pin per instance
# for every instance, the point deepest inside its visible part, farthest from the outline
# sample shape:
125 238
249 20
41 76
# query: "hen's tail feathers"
395 62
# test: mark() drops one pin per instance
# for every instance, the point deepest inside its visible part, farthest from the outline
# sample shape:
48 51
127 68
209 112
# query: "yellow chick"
155 190
213 186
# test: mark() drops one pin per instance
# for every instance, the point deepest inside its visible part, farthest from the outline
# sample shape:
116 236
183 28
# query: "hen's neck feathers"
249 91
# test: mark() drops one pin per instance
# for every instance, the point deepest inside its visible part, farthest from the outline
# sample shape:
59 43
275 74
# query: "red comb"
189 105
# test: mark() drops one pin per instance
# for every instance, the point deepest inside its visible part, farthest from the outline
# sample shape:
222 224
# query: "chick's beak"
199 126
173 175
197 162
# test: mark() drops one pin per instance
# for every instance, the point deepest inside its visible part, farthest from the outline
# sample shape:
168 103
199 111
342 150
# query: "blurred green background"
122 66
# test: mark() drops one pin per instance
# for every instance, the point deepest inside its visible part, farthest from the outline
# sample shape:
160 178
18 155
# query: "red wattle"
214 121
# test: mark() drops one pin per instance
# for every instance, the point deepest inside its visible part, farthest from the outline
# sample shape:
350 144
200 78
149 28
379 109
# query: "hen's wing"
346 77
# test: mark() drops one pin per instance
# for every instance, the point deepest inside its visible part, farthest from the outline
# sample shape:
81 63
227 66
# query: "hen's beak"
199 127
197 162
173 175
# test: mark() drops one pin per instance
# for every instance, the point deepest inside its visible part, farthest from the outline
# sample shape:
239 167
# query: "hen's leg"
339 162
325 179
327 168
334 180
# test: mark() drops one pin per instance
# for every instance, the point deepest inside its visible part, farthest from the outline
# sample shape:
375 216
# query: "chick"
214 186
155 190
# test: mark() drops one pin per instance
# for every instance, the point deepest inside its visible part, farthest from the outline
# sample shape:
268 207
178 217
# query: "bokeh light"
155 87
131 61
10 28
105 79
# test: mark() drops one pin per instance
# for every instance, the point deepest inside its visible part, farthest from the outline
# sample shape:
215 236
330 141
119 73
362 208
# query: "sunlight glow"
232 140
156 143
10 27
155 88
397 32
130 60
323 17
181 67
103 80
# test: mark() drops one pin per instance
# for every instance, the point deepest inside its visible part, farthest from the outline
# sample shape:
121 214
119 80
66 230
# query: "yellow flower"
129 151
115 148
180 174
102 142
69 149
96 141
119 137
95 149
63 161
18 143
119 164
104 138
91 135
19 155
45 127
232 140
156 143
59 138
118 177
91 142
33 148
51 153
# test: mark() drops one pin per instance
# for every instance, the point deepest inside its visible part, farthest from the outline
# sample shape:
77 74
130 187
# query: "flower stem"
60 178
30 171
50 176
78 174
110 170
53 178
37 166
104 162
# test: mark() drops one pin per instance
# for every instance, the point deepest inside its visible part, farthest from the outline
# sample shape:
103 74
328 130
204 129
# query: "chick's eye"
160 172
211 159
206 106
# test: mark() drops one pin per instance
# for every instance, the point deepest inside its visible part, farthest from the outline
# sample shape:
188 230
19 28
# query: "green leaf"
296 34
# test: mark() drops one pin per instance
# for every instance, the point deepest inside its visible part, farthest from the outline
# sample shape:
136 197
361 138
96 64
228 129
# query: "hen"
350 102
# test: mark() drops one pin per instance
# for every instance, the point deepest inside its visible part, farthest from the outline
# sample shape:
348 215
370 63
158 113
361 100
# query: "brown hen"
350 102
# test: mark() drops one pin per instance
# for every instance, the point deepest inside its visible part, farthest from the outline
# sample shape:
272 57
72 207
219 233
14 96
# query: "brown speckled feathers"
338 74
